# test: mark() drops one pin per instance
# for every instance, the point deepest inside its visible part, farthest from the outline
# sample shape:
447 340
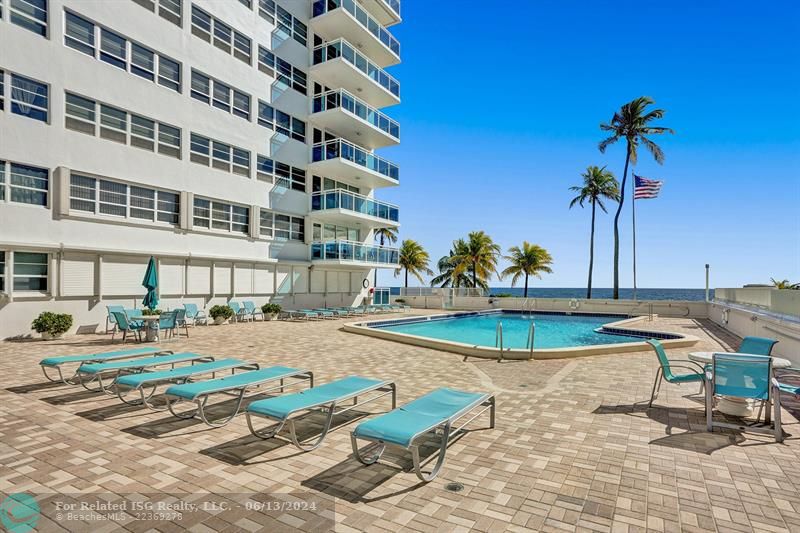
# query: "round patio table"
151 328
735 406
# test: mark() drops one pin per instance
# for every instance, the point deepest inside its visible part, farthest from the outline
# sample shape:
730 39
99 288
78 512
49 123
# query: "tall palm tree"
530 260
447 265
632 123
384 235
478 256
414 259
598 183
784 284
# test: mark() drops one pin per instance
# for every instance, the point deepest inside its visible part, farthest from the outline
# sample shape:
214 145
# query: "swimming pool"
557 334
551 330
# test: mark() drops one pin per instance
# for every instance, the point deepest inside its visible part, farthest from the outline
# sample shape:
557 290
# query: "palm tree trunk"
591 254
475 275
616 222
406 277
526 286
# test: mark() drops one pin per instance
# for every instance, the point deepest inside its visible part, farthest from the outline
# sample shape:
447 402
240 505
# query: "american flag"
645 189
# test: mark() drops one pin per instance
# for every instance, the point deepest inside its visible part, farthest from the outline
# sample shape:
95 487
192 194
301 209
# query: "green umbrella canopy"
150 282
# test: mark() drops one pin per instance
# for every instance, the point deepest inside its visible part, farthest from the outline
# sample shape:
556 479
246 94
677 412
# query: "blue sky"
500 116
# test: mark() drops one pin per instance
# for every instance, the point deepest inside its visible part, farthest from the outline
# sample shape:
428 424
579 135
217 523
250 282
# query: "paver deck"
575 447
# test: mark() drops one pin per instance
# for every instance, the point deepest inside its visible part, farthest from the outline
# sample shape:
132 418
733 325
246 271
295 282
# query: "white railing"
342 250
339 98
341 48
344 199
346 150
365 19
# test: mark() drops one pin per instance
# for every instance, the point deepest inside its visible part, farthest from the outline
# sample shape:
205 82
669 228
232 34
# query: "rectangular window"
265 169
169 140
2 181
80 114
266 223
223 36
222 96
113 198
2 271
246 3
30 14
290 228
241 105
82 193
142 203
200 149
170 10
113 124
122 200
266 8
29 185
30 271
201 87
168 207
266 115
79 34
169 73
2 89
241 162
29 98
143 132
202 213
221 216
266 61
201 23
240 219
242 47
143 62
290 75
221 156
113 49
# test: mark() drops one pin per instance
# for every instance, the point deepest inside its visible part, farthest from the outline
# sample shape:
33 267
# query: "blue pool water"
552 331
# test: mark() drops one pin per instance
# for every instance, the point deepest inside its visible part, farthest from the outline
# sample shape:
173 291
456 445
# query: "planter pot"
220 320
49 336
271 316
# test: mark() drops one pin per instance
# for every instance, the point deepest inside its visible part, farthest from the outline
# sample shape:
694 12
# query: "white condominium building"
232 140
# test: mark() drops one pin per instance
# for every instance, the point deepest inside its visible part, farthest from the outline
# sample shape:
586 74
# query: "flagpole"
633 205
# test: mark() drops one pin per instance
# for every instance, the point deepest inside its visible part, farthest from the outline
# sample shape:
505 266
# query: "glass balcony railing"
354 251
348 102
340 148
395 5
341 48
358 203
365 19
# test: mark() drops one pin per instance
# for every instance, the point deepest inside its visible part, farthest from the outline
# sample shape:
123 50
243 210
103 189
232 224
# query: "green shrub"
222 311
399 300
270 309
52 323
151 312
502 295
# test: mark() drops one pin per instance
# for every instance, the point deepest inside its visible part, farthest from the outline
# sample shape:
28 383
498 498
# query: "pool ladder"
498 339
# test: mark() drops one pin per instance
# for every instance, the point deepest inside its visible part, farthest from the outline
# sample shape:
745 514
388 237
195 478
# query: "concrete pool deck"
636 325
575 447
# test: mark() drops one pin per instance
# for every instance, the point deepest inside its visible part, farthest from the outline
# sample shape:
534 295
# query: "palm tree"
478 256
784 284
414 259
632 123
530 260
384 235
598 183
447 265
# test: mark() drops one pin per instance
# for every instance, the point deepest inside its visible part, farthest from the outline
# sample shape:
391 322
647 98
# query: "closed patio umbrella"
150 282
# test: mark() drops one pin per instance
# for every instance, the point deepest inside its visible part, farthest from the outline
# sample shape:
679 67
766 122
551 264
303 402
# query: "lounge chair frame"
332 408
72 380
132 369
487 401
240 393
144 397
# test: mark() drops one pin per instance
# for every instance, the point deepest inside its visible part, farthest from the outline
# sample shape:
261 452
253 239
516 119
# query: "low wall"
743 322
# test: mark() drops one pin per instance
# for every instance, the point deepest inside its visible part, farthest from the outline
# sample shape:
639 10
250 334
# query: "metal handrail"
531 337
339 98
341 148
362 16
498 337
341 48
344 199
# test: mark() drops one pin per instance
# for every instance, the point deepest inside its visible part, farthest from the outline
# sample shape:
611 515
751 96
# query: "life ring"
574 304
365 283
725 315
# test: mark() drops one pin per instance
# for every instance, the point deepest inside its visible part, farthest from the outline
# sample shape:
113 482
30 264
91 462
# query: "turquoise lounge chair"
57 361
140 382
437 410
97 371
236 385
197 316
320 312
251 310
326 397
666 365
294 314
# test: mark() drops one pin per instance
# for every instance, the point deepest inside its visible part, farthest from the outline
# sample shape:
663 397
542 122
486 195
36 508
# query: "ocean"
600 293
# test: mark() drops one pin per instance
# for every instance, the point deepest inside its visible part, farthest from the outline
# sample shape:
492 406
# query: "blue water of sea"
600 293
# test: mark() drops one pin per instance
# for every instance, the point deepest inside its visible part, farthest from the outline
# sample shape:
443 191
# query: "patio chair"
327 397
239 312
146 383
197 316
406 426
58 361
111 322
743 376
240 386
757 345
320 313
181 322
168 323
666 366
87 373
126 325
251 310
133 313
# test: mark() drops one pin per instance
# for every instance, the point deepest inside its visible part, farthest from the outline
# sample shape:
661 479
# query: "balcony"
338 64
332 19
340 206
345 115
351 253
387 12
343 160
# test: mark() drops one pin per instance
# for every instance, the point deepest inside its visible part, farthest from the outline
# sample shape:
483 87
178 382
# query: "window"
167 9
82 35
30 14
30 271
25 184
143 132
106 197
169 140
224 37
2 89
29 98
292 27
281 174
266 8
282 226
222 216
80 114
281 122
246 3
327 184
113 124
266 61
287 73
266 223
221 96
201 87
2 271
219 155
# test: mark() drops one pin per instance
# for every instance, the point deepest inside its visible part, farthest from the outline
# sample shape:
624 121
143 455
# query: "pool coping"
620 327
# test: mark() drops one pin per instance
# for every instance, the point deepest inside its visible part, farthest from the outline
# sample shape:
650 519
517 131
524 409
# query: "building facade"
232 140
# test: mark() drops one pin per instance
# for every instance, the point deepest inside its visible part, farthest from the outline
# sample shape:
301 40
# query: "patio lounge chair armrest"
699 365
689 368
